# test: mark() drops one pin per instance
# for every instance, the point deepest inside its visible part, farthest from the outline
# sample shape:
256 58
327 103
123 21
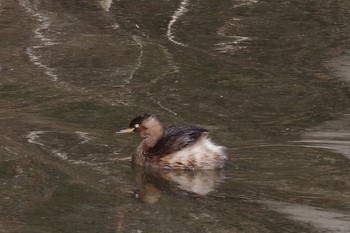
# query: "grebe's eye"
137 125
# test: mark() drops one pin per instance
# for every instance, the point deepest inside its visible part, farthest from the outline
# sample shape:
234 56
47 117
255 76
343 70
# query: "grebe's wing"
176 138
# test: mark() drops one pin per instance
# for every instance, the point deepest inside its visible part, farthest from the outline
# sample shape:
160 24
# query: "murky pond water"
269 80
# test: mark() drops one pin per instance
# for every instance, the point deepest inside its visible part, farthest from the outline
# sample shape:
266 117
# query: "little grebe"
177 147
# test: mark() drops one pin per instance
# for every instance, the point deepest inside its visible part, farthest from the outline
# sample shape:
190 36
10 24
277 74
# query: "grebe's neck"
154 133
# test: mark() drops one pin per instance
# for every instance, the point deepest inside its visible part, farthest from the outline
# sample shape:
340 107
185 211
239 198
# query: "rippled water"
268 79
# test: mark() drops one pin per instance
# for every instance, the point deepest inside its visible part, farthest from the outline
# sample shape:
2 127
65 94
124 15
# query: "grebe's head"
144 125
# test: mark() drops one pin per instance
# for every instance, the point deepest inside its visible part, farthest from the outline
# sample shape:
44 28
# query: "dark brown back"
176 138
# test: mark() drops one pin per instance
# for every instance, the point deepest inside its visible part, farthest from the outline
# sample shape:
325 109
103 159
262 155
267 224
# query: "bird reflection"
154 182
106 4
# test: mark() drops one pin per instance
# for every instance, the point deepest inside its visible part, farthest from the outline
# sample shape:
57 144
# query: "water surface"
268 79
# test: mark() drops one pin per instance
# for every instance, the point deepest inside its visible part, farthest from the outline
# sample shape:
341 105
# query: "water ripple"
178 13
106 4
231 46
38 62
33 137
232 43
320 218
245 3
44 40
139 59
58 144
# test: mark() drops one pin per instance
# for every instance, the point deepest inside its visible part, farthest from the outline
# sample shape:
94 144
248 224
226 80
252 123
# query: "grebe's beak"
127 130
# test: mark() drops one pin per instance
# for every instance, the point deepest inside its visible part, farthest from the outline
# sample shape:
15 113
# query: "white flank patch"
204 155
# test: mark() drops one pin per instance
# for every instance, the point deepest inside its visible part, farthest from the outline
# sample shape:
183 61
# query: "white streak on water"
84 163
84 136
245 3
106 4
178 13
36 60
170 59
321 219
338 142
44 25
333 135
139 59
232 43
231 46
44 42
59 154
167 109
40 34
48 145
33 137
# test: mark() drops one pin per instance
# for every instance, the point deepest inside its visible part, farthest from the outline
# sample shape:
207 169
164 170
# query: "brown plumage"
177 147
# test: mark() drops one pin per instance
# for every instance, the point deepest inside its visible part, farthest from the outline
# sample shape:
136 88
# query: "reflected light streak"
178 13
